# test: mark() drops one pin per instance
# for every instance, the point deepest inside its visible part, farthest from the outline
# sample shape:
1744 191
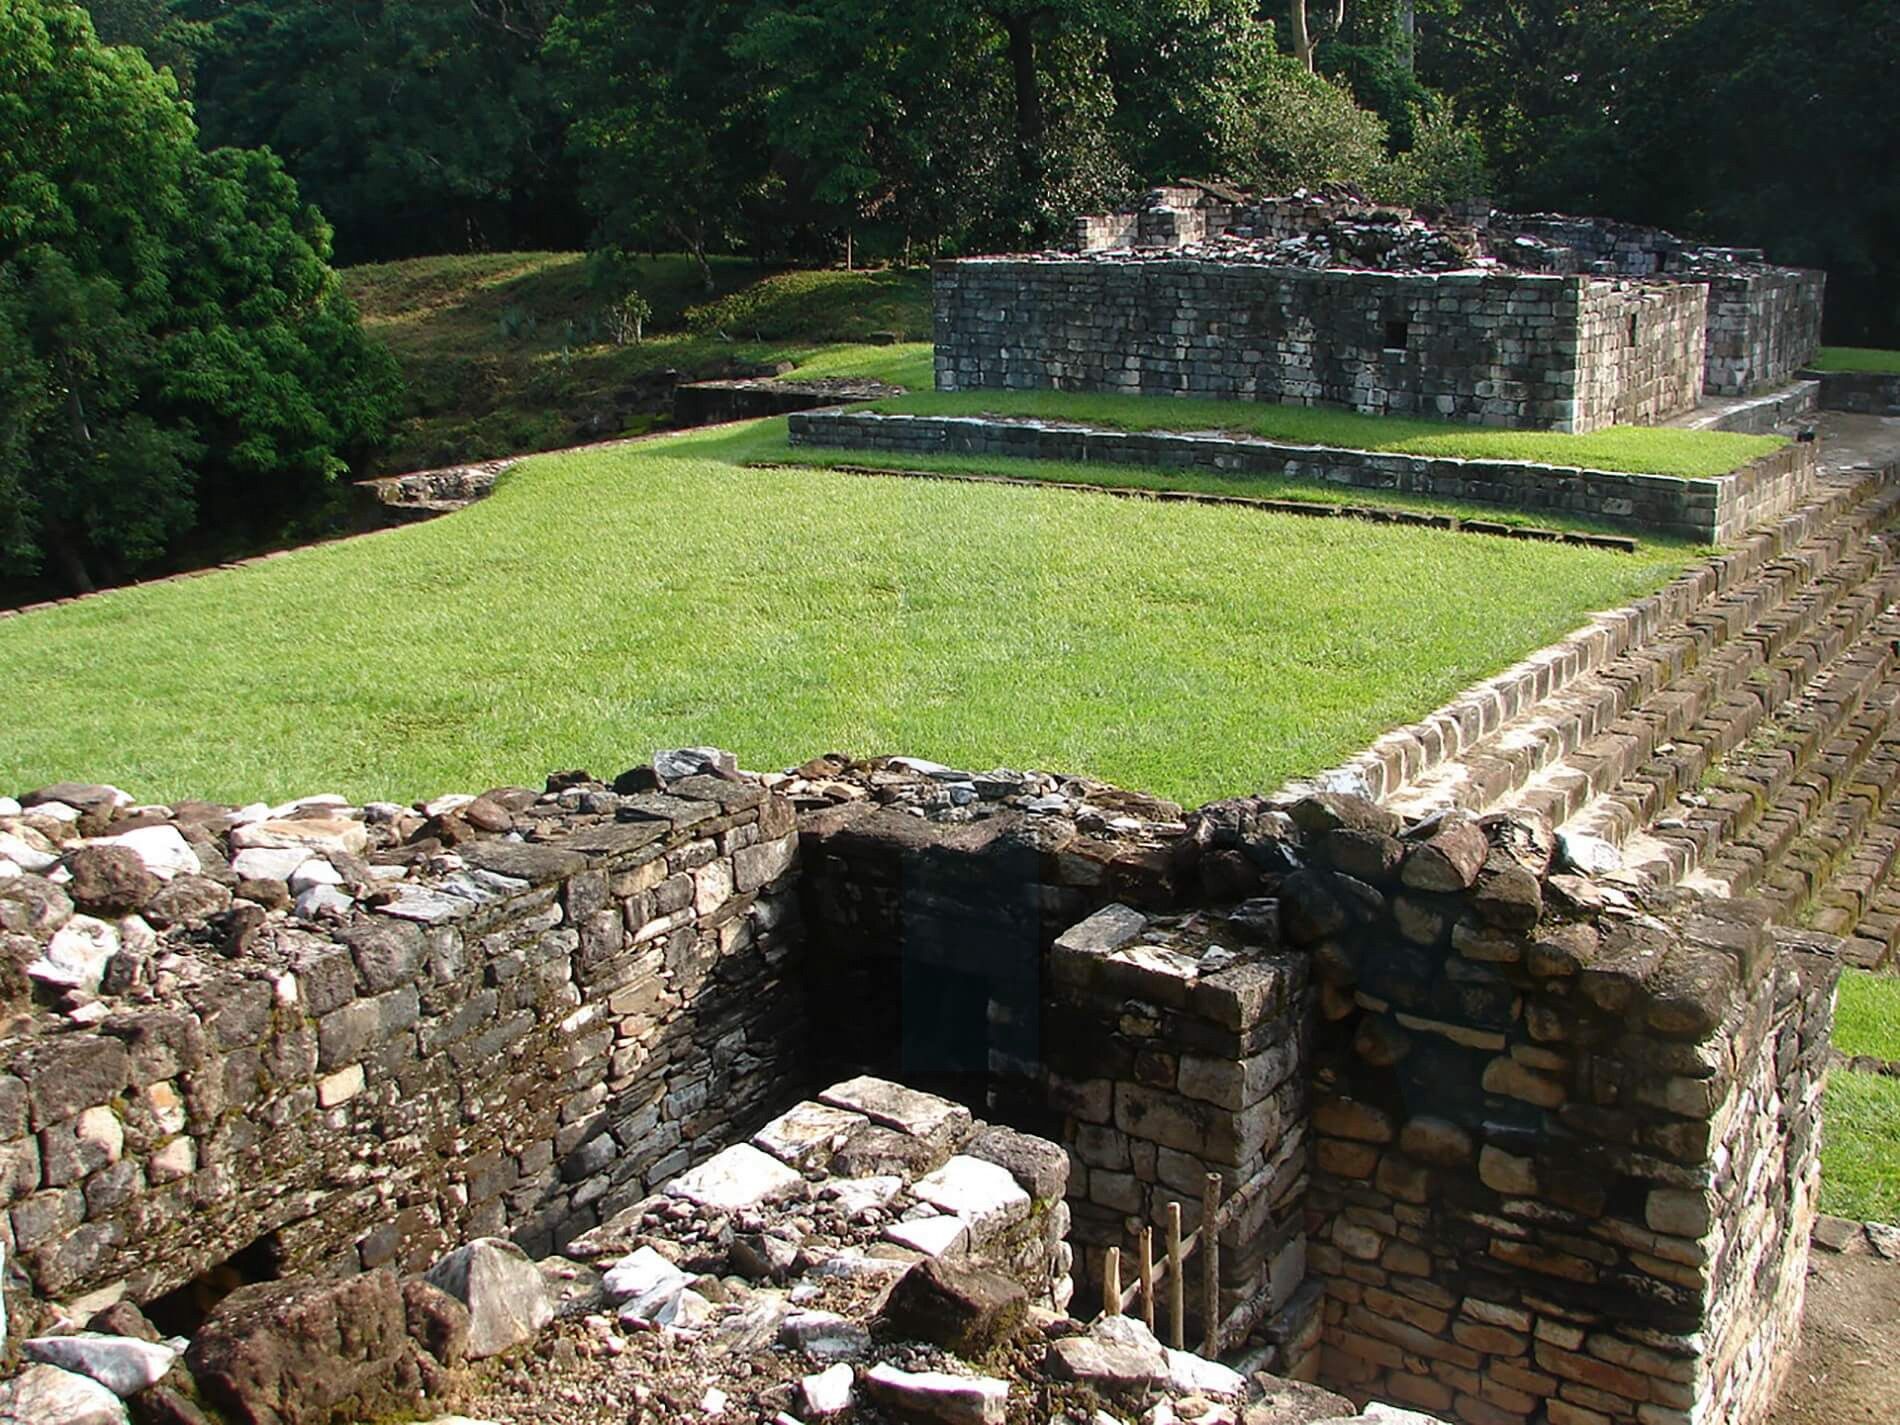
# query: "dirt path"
1848 1369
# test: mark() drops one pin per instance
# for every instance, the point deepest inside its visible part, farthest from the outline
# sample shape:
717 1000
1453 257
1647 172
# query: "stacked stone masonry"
518 1046
1493 1139
1544 352
1715 511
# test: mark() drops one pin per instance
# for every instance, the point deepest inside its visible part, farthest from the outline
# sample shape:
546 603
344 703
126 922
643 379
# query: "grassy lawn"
1855 358
1255 487
1646 450
503 352
604 604
1867 1016
1860 1148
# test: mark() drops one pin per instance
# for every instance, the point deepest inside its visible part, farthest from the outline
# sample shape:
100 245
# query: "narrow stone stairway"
1737 734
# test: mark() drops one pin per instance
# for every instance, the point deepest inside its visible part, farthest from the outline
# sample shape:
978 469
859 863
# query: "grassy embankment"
605 603
505 352
1856 358
1860 1154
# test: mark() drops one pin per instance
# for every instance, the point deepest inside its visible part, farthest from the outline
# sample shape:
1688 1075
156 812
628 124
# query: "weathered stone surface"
807 1134
110 880
312 833
47 1395
299 1352
1039 1166
938 1396
936 1121
828 1392
162 850
645 1286
982 1194
506 1298
1119 1353
739 1177
122 1364
965 1309
1450 860
436 1321
824 1336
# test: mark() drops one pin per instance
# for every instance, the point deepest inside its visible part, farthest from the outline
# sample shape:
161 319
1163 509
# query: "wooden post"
1177 1292
1210 1264
1112 1282
1147 1266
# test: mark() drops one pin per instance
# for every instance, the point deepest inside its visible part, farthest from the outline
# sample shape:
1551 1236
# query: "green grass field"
1860 1156
603 604
1867 1016
504 352
1860 1147
1646 450
1855 358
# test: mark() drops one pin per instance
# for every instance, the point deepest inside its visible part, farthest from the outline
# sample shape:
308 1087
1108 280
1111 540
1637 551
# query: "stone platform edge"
1711 511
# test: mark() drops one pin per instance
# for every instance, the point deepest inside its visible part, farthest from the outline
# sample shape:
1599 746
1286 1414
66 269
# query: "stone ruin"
1487 1137
1535 321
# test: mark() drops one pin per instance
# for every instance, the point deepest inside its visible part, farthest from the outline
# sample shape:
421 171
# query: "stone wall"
1713 511
516 1046
1868 393
1499 349
1764 326
1566 1148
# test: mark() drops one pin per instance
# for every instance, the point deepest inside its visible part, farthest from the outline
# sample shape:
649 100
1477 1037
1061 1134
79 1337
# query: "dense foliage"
176 359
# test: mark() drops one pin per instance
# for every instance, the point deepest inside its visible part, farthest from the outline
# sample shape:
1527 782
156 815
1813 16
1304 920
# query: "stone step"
1597 722
1753 745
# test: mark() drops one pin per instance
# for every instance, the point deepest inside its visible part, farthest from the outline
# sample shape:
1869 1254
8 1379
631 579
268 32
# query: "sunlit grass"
603 604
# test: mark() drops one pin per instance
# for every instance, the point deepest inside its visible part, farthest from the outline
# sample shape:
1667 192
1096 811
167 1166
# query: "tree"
171 327
416 125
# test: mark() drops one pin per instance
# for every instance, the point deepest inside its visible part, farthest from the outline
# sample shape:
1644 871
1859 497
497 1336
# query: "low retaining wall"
1711 511
1867 393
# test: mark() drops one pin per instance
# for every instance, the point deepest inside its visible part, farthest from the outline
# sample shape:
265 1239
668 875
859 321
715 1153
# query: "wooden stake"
1210 1263
1177 1302
1147 1278
1112 1282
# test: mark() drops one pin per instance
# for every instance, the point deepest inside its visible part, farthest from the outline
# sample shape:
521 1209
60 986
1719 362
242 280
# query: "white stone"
314 872
507 1298
740 1177
982 1194
318 899
56 811
164 852
855 1195
76 956
246 815
933 1236
340 1087
443 805
645 1286
806 1132
1192 1374
136 934
100 1127
47 1395
314 833
9 807
922 1115
9 871
713 1402
26 856
1590 854
828 1392
952 1400
175 1160
852 1265
269 863
121 1364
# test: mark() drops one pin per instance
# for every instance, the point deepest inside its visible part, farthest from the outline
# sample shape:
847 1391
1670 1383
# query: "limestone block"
740 1177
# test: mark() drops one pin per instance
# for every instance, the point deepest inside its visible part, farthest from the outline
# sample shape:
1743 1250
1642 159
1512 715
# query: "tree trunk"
1339 17
1408 27
66 553
1029 128
1302 36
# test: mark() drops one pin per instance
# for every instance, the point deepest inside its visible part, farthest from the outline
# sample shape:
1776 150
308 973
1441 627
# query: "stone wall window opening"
1635 328
1398 334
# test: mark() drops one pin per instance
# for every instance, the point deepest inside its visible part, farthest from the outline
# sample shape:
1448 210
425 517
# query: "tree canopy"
175 354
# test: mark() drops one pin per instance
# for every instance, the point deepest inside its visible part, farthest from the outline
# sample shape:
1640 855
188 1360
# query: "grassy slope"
1645 450
603 604
1855 358
477 390
1860 1154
